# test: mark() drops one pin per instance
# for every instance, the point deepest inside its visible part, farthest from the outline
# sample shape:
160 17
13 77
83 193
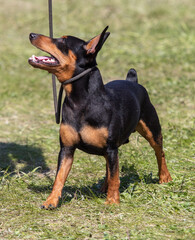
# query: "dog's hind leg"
65 161
112 181
149 128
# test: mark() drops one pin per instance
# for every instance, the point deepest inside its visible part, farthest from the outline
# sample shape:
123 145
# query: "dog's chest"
94 136
89 135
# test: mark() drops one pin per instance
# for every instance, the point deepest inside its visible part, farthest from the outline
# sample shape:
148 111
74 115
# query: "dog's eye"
62 45
61 41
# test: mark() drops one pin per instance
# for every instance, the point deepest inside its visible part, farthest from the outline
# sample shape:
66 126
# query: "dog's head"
69 55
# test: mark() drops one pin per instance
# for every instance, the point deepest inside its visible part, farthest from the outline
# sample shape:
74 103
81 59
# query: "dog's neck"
87 85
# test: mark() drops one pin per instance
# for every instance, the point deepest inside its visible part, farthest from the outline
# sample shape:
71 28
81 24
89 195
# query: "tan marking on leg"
69 135
94 136
145 132
164 175
113 196
53 199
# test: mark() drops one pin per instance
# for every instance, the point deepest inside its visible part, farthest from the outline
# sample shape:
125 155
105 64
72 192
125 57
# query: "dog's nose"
32 36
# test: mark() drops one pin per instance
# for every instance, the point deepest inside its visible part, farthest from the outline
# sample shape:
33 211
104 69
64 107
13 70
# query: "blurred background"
157 38
154 37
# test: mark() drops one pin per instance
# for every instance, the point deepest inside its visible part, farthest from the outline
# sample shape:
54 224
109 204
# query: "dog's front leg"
113 181
104 187
65 161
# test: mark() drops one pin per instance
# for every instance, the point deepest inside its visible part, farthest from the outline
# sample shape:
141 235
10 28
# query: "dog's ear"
94 45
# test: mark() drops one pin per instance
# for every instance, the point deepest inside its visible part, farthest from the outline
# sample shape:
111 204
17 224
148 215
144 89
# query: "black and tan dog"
96 118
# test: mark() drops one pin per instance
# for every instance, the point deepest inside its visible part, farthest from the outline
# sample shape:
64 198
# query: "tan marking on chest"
69 135
94 136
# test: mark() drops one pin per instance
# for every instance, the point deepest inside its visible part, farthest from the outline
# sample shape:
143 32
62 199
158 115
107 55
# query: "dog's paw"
165 178
50 203
110 201
112 198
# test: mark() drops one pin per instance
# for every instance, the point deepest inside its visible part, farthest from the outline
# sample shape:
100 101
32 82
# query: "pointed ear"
95 44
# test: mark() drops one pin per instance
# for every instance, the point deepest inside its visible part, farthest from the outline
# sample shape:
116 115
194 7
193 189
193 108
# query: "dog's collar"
78 76
61 90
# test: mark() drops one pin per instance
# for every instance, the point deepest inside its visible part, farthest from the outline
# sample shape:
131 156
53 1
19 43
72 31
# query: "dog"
96 118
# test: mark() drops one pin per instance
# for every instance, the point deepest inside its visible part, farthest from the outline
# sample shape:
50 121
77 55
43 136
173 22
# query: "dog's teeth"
48 60
33 57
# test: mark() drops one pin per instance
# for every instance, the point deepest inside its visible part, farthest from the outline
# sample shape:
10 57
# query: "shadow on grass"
129 177
24 158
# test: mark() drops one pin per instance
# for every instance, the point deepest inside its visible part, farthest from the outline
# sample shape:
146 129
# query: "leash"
57 114
58 102
78 76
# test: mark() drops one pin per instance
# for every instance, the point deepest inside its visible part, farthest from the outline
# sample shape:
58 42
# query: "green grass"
157 38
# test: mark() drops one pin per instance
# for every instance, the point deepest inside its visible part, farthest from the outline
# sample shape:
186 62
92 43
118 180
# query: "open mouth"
44 60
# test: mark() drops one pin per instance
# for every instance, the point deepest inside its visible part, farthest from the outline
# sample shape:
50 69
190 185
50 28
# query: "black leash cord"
57 102
56 107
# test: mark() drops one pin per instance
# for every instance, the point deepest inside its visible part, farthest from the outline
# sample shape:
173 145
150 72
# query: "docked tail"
132 75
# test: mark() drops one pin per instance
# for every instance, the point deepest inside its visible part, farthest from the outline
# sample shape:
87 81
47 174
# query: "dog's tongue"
41 58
